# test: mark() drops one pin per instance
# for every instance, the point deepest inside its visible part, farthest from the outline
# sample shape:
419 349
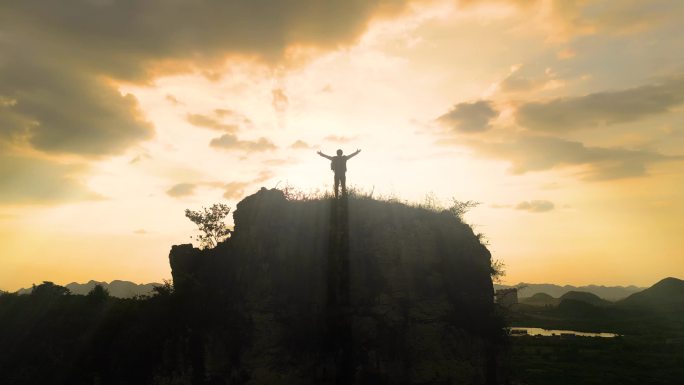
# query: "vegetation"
649 351
210 223
600 361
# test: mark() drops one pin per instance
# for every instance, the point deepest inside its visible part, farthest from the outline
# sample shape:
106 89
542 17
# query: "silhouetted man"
339 165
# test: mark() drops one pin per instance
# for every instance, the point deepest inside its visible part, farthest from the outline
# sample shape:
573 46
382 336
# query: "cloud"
59 110
601 108
140 232
339 139
209 122
235 190
139 158
564 19
232 190
62 63
469 117
536 206
221 120
280 101
181 190
231 142
537 153
173 100
25 180
519 81
300 145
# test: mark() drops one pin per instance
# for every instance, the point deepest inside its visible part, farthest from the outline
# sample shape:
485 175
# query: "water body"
518 331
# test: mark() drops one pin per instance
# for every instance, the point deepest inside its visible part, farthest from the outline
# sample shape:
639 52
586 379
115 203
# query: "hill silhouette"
116 288
312 291
666 295
610 293
540 299
585 297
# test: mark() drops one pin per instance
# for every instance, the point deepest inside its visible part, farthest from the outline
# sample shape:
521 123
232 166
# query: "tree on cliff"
210 223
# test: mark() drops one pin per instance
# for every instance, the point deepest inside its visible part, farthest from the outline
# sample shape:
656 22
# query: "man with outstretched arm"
338 164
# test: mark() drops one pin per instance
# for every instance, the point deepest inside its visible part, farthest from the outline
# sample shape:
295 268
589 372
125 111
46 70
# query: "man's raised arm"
354 154
323 155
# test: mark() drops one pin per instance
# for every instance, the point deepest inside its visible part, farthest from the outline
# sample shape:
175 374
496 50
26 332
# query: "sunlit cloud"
231 142
535 206
301 145
528 153
469 117
181 190
280 101
602 108
210 122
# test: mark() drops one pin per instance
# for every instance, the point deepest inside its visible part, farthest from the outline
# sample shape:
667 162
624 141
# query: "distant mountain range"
610 293
666 295
116 288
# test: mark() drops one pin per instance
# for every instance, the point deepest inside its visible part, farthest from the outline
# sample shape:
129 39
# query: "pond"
521 331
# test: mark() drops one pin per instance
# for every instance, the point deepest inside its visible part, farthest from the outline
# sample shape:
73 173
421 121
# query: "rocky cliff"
339 291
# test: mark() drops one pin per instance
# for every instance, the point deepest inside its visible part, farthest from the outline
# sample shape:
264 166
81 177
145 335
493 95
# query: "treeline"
53 337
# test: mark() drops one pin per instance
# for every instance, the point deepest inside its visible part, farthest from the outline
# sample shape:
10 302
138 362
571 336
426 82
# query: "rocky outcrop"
340 291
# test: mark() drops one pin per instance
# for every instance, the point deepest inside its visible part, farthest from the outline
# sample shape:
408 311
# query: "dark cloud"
61 62
537 153
26 180
231 142
300 145
181 190
469 117
602 108
536 206
63 111
123 38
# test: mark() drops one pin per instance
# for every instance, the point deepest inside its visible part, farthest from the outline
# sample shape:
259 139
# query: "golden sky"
565 118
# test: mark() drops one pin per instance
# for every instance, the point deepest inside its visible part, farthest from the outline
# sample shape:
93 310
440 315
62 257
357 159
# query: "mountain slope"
667 294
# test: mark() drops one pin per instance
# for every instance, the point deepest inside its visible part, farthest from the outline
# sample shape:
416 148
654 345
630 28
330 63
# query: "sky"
564 118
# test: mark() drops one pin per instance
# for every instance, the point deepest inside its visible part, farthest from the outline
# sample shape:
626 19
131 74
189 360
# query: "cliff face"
339 291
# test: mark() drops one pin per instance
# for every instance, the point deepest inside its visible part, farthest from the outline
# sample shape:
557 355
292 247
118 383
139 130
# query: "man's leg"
343 179
337 184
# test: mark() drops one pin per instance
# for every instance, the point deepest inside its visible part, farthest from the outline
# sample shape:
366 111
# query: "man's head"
339 152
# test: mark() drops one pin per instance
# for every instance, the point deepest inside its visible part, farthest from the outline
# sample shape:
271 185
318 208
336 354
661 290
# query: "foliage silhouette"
210 223
98 294
48 289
